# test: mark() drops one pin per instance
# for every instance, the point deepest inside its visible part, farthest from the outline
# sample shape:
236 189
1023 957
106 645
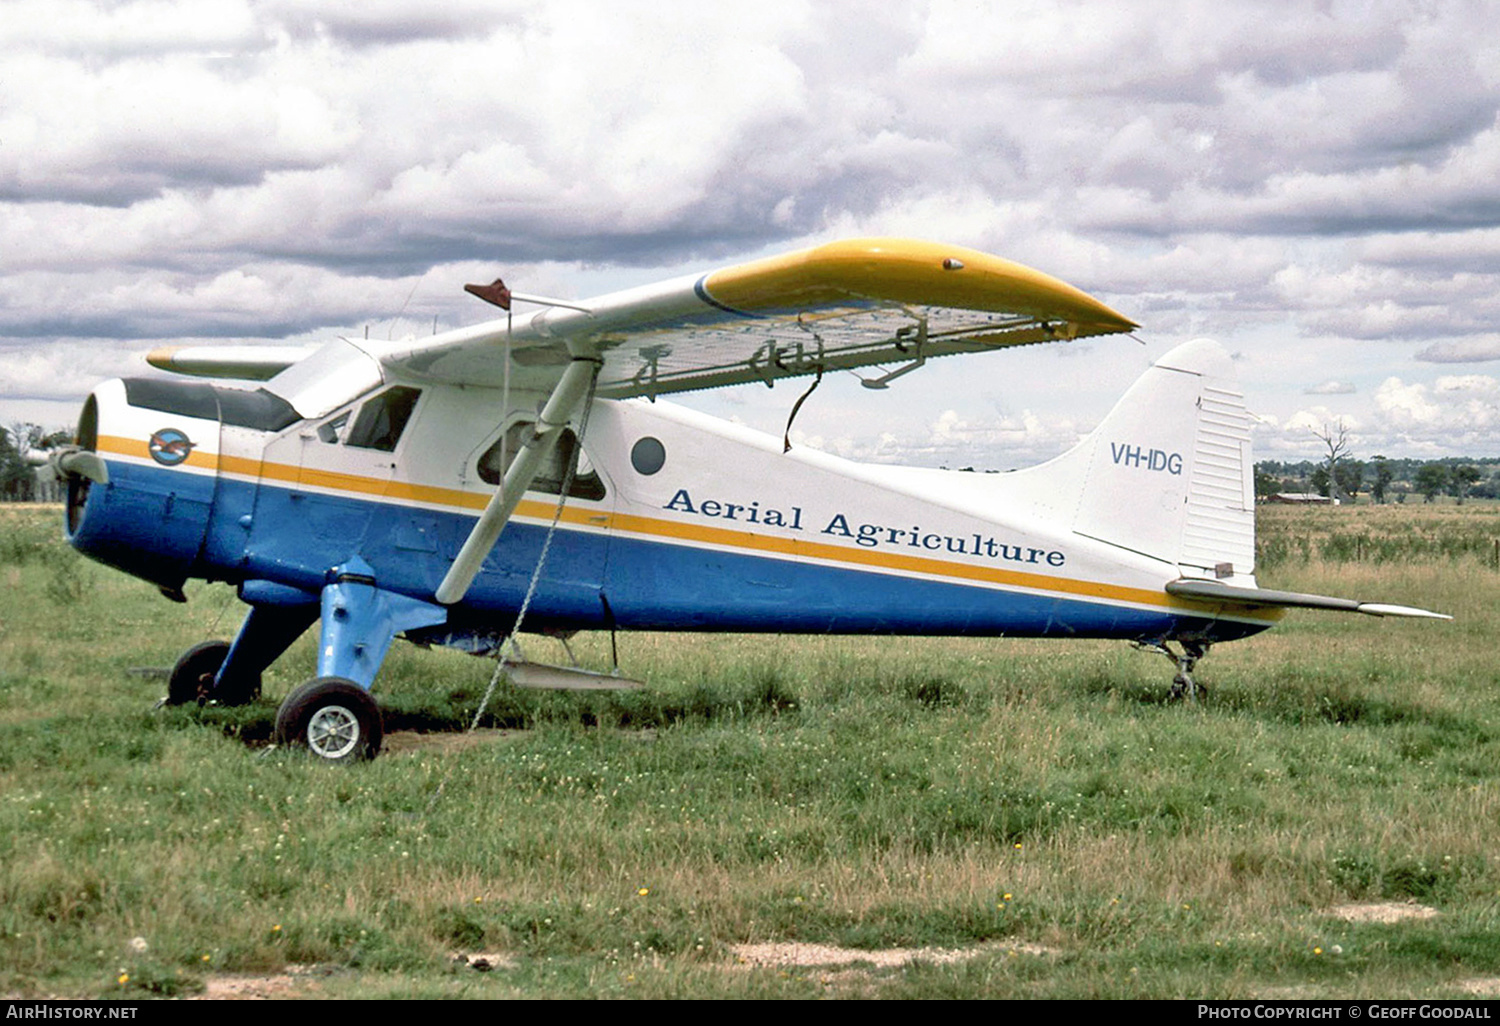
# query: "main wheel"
192 679
333 718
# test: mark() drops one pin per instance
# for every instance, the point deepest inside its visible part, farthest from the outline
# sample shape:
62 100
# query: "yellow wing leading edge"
910 272
856 303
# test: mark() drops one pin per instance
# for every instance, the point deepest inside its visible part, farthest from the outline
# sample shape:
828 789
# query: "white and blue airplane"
443 489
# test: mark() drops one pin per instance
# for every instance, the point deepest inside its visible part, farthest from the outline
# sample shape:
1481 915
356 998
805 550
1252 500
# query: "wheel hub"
333 732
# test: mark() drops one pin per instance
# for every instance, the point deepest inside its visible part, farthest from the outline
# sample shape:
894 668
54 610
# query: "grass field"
1033 815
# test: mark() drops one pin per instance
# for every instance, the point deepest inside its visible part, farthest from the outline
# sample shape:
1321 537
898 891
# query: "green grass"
1000 797
1406 532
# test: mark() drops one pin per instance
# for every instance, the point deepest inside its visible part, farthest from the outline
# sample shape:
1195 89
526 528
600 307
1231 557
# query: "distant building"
1302 499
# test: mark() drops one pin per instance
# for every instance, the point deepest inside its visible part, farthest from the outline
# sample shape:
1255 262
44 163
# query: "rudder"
1168 473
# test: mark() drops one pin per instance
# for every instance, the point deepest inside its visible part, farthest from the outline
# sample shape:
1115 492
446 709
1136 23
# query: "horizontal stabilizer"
1212 591
245 363
1379 609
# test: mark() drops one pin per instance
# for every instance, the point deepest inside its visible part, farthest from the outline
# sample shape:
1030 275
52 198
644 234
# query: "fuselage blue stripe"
236 530
700 287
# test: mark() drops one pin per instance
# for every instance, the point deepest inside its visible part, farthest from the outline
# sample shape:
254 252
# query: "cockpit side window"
330 430
382 419
586 482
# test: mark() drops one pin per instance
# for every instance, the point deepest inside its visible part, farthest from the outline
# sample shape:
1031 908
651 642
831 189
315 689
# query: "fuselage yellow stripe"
453 498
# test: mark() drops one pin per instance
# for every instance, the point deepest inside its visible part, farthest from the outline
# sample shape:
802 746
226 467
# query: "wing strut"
564 401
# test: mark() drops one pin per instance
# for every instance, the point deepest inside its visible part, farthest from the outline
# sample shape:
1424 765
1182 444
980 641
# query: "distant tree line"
1382 479
18 478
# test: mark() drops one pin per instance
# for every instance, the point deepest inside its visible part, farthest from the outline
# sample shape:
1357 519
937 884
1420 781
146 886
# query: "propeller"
74 461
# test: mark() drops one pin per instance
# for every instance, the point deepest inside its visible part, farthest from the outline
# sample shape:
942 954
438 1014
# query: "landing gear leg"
229 674
333 715
1183 684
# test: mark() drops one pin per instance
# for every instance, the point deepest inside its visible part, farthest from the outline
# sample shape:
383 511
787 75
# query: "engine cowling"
141 478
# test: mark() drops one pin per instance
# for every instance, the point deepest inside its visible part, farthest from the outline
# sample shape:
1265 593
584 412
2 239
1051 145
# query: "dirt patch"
1488 986
485 962
1383 912
248 988
808 955
1303 993
401 742
294 982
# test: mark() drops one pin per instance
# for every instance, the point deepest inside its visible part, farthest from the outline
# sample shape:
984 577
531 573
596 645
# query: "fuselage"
674 521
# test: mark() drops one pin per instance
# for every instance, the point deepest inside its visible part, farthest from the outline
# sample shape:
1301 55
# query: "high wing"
838 306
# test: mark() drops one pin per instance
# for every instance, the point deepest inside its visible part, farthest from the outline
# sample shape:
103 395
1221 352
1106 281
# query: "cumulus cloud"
1454 411
994 442
65 369
1479 349
1331 388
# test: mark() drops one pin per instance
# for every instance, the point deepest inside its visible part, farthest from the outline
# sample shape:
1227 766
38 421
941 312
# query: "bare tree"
25 436
1336 438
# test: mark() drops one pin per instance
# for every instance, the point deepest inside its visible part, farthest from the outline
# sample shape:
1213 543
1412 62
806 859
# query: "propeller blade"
81 463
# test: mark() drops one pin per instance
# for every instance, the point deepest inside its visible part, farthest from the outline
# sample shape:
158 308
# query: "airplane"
521 472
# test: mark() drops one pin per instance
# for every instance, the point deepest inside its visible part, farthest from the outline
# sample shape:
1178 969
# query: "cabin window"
648 456
382 419
498 458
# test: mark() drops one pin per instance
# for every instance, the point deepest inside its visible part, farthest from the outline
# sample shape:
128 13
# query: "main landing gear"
1183 684
332 715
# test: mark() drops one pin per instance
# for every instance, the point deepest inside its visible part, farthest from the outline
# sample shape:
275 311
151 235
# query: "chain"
541 562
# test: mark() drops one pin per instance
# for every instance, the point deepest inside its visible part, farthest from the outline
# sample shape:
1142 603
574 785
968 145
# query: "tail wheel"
333 718
192 679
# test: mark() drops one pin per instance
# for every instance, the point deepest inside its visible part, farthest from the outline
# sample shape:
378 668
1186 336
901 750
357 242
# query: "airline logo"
169 447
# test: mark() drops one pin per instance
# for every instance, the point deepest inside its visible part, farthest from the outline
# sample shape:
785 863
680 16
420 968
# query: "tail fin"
1168 473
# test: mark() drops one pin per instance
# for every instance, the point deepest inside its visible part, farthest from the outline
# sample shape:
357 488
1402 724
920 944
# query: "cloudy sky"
1315 184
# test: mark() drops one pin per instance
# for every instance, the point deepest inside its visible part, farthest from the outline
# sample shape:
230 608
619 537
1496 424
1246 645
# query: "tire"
193 677
333 718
